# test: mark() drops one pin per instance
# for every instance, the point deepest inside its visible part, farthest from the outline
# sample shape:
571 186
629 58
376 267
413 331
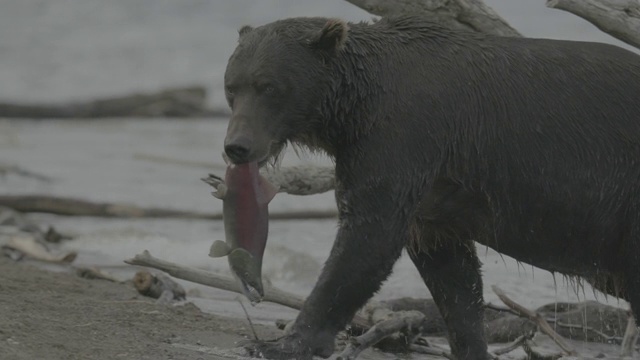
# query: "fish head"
242 177
246 178
248 270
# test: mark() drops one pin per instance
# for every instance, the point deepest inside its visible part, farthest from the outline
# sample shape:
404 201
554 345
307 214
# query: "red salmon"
246 195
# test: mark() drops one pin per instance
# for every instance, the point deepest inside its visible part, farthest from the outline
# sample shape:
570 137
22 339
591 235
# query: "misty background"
67 49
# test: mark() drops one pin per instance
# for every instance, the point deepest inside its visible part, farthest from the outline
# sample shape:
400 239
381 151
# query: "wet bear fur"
442 138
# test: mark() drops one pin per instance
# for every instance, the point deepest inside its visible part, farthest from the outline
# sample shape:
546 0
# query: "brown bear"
442 138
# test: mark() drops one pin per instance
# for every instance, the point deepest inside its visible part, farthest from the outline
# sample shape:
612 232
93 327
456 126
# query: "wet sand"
58 315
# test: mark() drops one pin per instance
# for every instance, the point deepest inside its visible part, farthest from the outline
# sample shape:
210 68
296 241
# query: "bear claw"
284 348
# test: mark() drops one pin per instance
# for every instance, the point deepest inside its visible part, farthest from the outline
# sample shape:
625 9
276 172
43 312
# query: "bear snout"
238 149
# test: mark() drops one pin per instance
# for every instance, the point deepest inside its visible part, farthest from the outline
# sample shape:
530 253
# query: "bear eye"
267 89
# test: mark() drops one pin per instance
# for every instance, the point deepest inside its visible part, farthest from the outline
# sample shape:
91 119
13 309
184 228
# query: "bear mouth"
274 156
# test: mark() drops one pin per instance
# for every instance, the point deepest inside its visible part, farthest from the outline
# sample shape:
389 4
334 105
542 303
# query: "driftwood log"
9 218
76 207
202 277
20 245
543 325
271 293
585 321
174 102
618 18
458 14
21 238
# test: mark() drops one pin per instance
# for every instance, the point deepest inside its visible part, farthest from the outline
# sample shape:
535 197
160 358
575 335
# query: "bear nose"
237 152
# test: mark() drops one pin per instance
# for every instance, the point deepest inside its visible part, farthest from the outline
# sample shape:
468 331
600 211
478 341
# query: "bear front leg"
451 271
370 239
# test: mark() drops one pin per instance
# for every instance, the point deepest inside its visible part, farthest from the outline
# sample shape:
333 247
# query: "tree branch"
271 293
403 321
630 338
472 15
535 317
618 18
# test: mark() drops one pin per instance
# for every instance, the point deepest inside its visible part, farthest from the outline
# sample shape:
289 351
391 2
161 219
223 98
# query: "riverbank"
58 315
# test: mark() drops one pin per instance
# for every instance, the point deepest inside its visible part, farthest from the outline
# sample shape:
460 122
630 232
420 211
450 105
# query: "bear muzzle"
239 149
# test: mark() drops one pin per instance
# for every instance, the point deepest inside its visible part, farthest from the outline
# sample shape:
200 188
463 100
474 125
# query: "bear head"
276 82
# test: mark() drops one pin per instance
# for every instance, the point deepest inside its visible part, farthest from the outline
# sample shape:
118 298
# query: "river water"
56 50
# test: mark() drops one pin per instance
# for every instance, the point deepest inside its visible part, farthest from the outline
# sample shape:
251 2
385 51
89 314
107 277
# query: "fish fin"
219 248
247 269
221 191
268 190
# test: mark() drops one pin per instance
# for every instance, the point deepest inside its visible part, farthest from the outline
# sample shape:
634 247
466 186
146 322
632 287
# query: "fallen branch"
630 338
24 244
407 322
198 276
76 207
511 346
271 293
543 325
584 328
377 313
174 102
457 14
500 309
590 321
618 18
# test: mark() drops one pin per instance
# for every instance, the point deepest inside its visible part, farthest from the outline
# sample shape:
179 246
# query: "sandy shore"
52 315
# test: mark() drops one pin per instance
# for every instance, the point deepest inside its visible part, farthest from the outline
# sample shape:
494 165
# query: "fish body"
245 195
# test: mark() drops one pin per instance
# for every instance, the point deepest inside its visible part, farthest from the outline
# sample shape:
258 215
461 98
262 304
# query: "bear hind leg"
451 271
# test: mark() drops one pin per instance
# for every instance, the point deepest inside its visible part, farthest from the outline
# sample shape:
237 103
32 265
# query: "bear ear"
245 30
332 37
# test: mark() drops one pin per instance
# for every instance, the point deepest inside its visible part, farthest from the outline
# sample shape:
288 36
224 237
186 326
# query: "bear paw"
291 346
